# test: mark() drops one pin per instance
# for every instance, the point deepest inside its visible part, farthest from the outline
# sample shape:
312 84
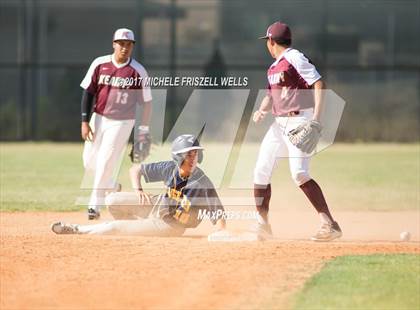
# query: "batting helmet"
182 145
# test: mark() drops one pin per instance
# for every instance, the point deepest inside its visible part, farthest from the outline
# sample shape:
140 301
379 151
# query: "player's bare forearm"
265 106
147 113
319 87
266 103
86 132
135 176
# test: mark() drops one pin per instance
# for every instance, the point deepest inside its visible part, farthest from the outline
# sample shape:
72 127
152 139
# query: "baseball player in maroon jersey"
294 96
113 86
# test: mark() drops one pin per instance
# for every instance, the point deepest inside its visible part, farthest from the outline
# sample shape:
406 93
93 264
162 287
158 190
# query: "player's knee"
111 200
113 208
120 198
300 177
261 176
116 212
114 204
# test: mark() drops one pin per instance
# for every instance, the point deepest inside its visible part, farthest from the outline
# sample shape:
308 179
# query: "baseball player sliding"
295 131
115 82
188 190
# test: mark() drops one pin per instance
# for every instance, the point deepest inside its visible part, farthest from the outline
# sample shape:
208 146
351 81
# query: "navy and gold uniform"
177 209
184 198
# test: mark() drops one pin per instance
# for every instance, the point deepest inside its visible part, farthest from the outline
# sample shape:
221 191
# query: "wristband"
143 129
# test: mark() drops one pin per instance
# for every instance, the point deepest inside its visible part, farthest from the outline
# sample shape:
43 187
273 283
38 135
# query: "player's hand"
86 132
143 198
306 136
221 224
258 116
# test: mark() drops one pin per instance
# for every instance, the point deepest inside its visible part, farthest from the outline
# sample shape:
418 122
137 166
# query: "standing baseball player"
113 87
188 190
294 96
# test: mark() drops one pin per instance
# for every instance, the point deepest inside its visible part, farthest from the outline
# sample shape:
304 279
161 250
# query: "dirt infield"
41 270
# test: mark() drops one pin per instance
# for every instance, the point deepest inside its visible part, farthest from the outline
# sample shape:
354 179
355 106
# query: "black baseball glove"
140 148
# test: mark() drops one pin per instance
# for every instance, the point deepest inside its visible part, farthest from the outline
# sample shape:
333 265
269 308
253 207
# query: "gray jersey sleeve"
213 201
159 171
214 204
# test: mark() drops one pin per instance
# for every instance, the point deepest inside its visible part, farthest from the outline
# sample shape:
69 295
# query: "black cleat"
64 229
93 214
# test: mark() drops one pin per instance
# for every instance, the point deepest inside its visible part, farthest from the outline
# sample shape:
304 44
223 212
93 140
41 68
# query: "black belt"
291 113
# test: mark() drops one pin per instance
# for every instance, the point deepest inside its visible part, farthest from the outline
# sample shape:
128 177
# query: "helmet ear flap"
178 158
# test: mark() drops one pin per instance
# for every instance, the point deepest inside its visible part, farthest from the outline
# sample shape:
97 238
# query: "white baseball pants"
125 206
150 226
276 145
104 154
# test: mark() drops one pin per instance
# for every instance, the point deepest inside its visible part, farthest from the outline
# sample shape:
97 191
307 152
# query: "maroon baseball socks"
315 196
262 195
329 229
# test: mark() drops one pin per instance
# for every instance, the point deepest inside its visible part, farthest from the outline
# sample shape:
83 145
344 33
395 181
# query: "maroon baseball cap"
278 31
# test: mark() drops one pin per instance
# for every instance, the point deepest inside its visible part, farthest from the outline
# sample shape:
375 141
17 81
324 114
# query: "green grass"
40 176
47 176
364 282
370 176
380 177
44 176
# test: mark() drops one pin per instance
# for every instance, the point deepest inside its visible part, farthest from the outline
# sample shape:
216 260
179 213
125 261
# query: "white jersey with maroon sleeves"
117 87
288 78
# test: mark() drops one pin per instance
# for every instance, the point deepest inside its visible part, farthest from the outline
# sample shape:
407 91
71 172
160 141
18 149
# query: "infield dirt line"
41 270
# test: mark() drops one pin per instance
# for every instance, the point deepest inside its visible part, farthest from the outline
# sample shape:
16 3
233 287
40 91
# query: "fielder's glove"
140 148
306 136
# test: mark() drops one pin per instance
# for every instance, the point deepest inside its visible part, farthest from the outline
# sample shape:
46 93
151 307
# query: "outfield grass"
378 177
40 176
364 282
47 176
